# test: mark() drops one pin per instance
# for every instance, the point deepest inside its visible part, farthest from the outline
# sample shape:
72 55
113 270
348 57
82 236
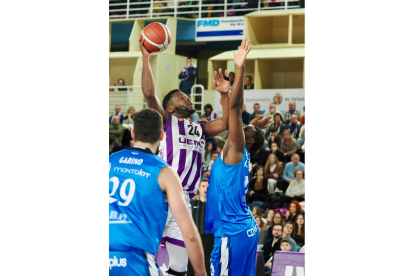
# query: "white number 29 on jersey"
122 192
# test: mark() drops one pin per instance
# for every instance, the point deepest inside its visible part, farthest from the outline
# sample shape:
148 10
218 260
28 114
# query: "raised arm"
147 82
234 147
170 184
216 126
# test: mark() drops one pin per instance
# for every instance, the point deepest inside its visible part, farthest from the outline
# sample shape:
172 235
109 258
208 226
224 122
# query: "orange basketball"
157 37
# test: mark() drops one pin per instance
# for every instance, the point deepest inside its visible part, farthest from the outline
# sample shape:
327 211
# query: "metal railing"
123 96
125 9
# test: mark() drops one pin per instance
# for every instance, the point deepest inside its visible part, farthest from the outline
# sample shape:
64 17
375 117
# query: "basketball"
157 37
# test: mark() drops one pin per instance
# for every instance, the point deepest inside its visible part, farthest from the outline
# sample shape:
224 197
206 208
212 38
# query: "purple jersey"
183 149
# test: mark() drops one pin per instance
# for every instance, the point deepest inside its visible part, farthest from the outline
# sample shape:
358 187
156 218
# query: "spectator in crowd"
256 211
128 122
272 111
296 189
214 156
256 110
285 245
288 174
262 232
300 231
117 113
301 143
273 171
245 115
231 79
258 158
274 148
208 112
120 82
156 4
207 155
256 195
278 124
269 214
292 110
277 220
273 137
302 118
203 118
294 126
288 231
271 245
288 146
116 131
219 148
187 77
249 84
293 212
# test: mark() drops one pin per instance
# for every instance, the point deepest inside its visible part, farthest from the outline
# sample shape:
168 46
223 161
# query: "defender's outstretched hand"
144 51
240 55
220 84
261 122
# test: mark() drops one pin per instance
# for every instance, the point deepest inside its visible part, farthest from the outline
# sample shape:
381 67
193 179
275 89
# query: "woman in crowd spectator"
278 124
273 137
289 146
269 214
262 232
128 122
296 189
299 236
301 143
273 171
274 148
256 211
208 112
277 220
257 189
288 233
294 211
121 82
207 155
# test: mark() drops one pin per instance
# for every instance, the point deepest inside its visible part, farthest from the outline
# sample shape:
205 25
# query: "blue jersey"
227 213
137 205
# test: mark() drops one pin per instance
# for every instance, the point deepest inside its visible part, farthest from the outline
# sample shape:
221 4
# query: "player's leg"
216 262
132 263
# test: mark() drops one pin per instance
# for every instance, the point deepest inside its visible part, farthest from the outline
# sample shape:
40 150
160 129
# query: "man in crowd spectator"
249 84
273 137
256 110
231 79
117 113
288 174
214 156
273 244
294 126
272 111
187 77
116 131
245 115
292 110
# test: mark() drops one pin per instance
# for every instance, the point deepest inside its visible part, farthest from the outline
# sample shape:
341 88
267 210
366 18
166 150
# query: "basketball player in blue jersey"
236 233
140 184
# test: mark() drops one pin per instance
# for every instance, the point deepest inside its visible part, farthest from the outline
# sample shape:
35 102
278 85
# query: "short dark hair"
258 140
278 114
214 152
273 129
147 125
232 73
285 240
256 104
249 77
220 145
208 106
189 58
167 99
122 81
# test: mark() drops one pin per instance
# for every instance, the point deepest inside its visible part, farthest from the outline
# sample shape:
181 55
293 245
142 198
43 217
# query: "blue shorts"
131 263
236 255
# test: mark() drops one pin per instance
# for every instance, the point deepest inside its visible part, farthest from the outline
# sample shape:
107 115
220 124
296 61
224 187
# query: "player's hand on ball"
220 84
261 122
240 55
145 52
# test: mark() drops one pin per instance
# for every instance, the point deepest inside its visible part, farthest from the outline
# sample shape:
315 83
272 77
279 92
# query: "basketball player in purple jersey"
183 147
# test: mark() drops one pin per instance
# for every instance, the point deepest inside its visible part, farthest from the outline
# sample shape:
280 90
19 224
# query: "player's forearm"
236 97
195 251
225 104
147 81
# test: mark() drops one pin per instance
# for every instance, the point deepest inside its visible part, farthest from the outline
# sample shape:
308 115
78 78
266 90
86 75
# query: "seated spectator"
262 232
204 118
116 131
128 122
187 76
120 82
214 156
285 245
274 148
231 79
294 126
256 211
219 148
269 214
273 171
207 155
292 110
300 231
271 245
249 84
288 174
277 220
301 143
288 146
272 112
288 231
208 112
293 212
256 110
296 189
302 118
117 113
273 137
278 124
245 115
257 193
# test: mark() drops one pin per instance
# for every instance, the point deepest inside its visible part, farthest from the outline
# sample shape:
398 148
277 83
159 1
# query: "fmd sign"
219 28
